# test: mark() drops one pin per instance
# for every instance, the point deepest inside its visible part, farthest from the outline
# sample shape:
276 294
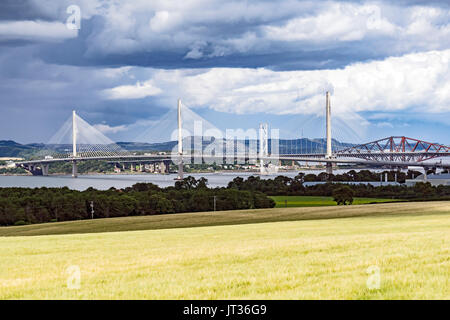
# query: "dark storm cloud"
44 75
231 34
24 10
251 35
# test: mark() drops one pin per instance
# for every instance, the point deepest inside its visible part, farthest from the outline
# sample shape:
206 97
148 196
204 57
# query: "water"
106 181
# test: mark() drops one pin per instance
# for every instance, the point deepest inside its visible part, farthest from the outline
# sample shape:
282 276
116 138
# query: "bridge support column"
35 171
180 170
74 169
329 167
44 169
167 166
180 144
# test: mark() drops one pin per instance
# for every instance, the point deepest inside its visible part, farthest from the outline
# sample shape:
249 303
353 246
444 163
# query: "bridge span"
393 152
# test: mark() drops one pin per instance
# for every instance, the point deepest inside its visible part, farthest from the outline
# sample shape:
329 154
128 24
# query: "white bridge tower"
74 144
180 144
329 153
263 146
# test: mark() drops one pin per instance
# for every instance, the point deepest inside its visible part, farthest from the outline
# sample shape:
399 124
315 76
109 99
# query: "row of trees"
361 176
84 167
282 185
25 205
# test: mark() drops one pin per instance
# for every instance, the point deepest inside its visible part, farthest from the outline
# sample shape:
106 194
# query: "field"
292 259
308 201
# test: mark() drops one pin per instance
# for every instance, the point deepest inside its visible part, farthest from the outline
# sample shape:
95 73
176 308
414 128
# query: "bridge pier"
167 166
33 169
74 169
180 169
44 168
329 167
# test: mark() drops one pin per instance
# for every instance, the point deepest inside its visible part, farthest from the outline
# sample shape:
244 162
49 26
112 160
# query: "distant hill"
9 148
140 146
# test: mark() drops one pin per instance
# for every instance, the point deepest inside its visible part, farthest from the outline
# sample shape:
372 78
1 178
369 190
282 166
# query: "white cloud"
198 29
384 124
105 129
138 91
35 30
338 22
415 82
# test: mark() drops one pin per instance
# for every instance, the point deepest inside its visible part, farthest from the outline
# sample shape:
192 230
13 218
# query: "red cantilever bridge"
399 149
396 148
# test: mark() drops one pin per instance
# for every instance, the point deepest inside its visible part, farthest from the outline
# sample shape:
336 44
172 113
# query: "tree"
343 195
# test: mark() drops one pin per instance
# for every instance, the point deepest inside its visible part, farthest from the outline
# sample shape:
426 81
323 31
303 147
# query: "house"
434 179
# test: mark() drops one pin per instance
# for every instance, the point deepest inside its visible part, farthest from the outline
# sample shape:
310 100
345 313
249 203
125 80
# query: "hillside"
9 148
234 217
315 259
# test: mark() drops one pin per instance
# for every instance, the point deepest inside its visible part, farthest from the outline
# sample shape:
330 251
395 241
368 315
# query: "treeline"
362 176
26 206
283 185
12 171
83 167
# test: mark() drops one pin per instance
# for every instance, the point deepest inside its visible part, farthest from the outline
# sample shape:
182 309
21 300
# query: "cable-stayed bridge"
78 141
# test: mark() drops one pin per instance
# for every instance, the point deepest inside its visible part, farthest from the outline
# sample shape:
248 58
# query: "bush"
20 223
343 195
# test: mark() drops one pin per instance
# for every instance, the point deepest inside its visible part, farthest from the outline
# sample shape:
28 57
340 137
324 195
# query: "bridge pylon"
180 144
329 153
74 144
263 146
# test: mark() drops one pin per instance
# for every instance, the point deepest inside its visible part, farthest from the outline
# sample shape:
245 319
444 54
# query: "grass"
305 259
201 219
309 201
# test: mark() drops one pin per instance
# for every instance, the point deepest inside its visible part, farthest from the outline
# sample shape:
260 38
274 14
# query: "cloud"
282 35
417 82
382 61
384 125
137 91
339 22
161 34
106 129
35 30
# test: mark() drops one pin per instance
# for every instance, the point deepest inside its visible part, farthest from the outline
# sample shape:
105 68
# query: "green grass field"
308 201
292 259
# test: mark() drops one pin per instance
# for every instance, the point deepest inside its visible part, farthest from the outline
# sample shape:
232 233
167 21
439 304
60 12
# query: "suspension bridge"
88 143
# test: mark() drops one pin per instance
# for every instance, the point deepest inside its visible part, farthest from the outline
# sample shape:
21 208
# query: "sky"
123 65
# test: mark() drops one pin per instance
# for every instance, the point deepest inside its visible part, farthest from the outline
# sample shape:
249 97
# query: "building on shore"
442 179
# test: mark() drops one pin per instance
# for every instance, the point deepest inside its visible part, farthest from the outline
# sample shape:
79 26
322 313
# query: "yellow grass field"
293 259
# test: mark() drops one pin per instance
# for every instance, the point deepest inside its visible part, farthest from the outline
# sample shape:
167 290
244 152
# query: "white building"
434 179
